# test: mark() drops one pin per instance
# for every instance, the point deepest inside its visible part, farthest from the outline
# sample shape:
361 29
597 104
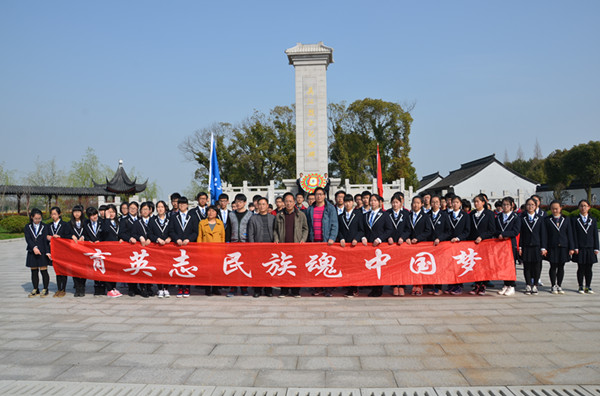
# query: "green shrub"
14 224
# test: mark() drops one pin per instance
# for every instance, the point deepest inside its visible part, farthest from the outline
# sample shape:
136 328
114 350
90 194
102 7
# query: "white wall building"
485 175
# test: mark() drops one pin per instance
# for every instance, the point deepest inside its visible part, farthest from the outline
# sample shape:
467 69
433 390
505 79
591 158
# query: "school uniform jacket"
533 233
509 228
440 225
77 231
585 233
399 223
381 226
89 233
559 233
460 226
126 227
62 229
420 229
484 226
351 228
179 230
110 232
141 229
197 213
158 230
39 240
226 223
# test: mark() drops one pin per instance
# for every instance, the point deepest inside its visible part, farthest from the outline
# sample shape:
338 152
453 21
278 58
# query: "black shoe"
256 295
208 293
216 291
269 294
375 293
244 291
131 293
144 293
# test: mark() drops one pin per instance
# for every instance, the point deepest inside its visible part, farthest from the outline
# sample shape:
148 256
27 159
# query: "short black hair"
201 194
348 198
300 193
240 197
319 189
287 194
91 211
366 193
182 200
223 196
256 198
102 207
340 192
175 196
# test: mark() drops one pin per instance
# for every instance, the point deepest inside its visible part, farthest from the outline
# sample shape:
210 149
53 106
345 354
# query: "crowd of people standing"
348 220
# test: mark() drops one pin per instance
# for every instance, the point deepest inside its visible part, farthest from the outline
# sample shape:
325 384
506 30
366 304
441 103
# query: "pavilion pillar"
18 204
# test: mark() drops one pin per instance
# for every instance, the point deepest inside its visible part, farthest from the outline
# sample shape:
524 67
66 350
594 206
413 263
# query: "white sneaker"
527 289
503 290
554 289
161 294
534 290
540 282
560 290
166 293
510 291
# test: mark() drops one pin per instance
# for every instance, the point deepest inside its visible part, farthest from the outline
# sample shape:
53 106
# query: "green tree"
357 129
558 176
45 173
259 149
87 168
582 162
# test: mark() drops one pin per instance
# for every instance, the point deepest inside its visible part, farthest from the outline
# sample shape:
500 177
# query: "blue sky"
134 78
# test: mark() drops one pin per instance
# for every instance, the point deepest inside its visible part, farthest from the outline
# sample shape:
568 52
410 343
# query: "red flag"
379 175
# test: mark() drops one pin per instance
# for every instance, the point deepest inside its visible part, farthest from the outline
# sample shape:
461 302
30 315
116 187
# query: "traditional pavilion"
121 183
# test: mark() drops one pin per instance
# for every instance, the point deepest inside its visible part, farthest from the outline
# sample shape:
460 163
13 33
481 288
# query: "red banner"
285 264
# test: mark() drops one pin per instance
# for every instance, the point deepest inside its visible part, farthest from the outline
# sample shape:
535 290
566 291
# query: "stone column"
310 62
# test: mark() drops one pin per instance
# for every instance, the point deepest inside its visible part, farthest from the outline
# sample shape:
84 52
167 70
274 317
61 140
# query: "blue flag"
214 181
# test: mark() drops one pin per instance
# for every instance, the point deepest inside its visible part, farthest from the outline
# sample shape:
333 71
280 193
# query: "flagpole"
210 187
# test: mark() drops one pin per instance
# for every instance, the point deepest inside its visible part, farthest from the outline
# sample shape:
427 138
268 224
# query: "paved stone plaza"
309 342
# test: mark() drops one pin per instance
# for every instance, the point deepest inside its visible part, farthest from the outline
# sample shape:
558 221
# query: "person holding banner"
111 233
378 228
140 231
483 226
211 229
460 228
351 229
93 231
159 234
399 219
59 229
440 226
290 227
260 229
508 226
418 230
183 230
239 232
77 223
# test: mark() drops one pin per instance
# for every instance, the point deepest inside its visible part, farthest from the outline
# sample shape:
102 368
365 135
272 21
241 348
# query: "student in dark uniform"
140 231
159 234
59 229
398 217
351 230
125 233
200 211
93 230
110 232
378 228
223 215
174 199
418 230
77 224
440 227
559 231
183 230
483 226
124 210
508 226
585 231
532 246
460 228
38 252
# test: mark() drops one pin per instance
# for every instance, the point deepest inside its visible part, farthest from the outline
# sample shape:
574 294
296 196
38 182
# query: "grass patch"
6 235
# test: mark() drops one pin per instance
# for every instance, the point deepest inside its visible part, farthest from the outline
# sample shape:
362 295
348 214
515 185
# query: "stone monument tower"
310 62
